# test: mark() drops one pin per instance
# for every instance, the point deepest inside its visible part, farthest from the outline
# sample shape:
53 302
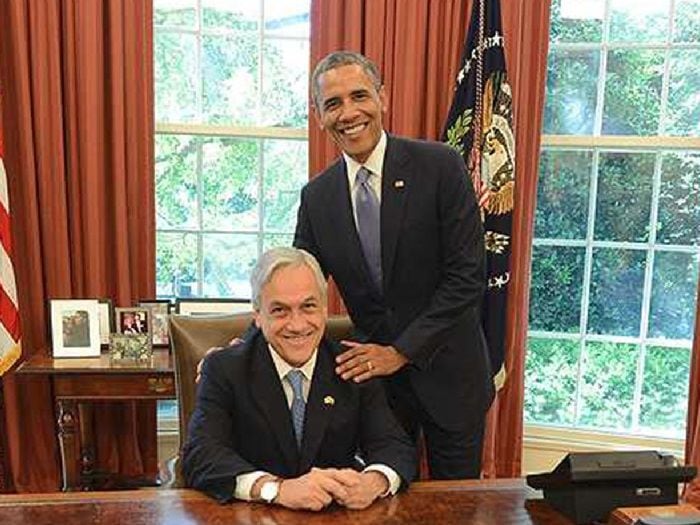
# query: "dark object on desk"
586 486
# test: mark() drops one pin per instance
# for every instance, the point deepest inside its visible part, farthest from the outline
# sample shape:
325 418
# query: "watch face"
268 492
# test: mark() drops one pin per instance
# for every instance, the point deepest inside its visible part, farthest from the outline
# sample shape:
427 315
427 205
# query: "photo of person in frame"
134 322
75 329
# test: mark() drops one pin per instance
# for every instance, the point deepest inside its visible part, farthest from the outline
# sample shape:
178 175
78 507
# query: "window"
617 226
231 82
231 97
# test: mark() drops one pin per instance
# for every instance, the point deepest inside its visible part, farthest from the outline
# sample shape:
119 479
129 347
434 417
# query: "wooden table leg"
68 442
87 445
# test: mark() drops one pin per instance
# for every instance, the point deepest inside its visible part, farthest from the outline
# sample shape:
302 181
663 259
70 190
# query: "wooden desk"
77 383
497 502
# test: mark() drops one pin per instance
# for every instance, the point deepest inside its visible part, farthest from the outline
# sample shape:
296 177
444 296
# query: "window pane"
273 240
634 21
617 281
176 181
632 92
285 84
176 264
679 200
550 380
555 293
230 184
687 21
286 171
288 18
673 295
576 21
228 15
665 391
572 78
625 182
607 392
175 13
228 260
230 78
683 109
562 194
175 77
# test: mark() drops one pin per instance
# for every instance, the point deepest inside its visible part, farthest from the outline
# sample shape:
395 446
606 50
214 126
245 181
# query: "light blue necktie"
368 228
298 408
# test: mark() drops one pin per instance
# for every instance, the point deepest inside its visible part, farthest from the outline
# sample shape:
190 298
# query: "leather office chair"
192 336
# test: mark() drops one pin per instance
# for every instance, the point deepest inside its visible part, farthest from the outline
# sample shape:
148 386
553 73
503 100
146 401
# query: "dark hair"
343 58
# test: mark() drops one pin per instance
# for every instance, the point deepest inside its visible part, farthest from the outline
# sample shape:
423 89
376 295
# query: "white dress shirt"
374 163
245 482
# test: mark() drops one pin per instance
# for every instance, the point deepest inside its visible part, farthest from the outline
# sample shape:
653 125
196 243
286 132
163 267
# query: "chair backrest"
190 339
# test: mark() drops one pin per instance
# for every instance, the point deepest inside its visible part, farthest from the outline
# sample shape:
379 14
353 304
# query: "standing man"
272 420
395 223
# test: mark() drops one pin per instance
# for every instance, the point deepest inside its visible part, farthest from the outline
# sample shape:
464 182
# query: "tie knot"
363 175
296 378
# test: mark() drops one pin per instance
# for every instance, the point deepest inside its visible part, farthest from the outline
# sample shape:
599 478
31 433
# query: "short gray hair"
343 58
277 258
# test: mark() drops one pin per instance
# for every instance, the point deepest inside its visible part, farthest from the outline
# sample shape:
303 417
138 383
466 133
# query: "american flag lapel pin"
398 184
328 400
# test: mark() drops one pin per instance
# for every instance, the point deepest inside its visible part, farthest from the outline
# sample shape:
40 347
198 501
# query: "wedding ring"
369 366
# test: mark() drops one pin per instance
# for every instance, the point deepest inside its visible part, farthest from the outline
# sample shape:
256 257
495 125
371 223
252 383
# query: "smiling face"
350 110
292 314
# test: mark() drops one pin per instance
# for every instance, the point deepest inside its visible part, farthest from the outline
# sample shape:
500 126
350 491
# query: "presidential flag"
480 126
9 313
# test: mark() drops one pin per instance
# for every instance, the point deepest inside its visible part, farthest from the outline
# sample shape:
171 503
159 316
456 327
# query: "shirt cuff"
245 482
391 476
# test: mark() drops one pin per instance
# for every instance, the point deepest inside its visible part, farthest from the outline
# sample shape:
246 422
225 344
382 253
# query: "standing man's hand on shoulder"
365 361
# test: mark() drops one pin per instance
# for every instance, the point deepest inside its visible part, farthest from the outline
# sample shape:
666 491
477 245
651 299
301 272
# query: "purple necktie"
368 229
298 408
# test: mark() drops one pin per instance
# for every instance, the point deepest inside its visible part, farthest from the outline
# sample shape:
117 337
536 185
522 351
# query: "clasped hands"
318 488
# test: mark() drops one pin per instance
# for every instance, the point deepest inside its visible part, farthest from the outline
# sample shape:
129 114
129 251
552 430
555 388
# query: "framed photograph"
104 310
160 315
75 327
208 306
132 320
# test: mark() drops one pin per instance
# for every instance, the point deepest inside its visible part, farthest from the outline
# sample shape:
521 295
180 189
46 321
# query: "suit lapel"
396 183
323 396
272 403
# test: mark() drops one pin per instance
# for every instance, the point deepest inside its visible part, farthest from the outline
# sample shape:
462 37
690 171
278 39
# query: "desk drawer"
156 385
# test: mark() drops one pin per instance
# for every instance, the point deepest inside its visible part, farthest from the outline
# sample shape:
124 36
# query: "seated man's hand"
318 488
234 341
360 496
365 361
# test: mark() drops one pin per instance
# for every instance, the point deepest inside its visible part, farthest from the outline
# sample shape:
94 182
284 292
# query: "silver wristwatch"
269 490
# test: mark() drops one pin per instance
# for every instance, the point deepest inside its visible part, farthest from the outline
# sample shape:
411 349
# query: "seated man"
274 423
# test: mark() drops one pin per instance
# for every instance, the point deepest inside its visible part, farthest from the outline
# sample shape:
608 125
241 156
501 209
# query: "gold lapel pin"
398 184
328 400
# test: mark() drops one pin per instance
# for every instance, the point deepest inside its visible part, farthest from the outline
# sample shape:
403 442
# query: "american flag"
9 313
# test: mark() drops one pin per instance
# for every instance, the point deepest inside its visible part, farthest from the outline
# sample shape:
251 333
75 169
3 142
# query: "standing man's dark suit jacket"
433 272
241 422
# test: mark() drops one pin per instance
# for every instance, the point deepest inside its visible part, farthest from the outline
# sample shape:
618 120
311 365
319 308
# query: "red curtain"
692 433
77 83
417 45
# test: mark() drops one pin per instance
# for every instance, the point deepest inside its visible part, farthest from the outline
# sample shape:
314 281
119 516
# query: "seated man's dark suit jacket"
432 245
241 422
